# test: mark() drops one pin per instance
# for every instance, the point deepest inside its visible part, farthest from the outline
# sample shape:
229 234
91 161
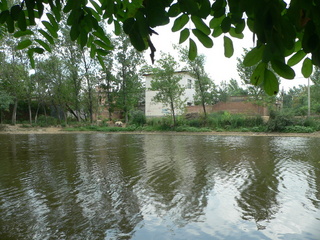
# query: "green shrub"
137 118
279 122
44 121
259 129
298 129
191 129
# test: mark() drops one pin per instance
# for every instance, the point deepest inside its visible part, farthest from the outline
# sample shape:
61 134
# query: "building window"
189 84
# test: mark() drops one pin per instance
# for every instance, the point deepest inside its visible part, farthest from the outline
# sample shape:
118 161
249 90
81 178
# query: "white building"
158 109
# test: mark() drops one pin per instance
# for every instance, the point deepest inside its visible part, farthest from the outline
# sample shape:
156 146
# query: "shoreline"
17 129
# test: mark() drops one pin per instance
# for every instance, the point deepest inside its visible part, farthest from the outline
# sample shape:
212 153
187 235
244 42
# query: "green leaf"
43 44
22 23
137 41
24 44
22 33
100 34
306 69
296 58
30 55
4 5
270 83
103 45
74 32
203 38
192 50
83 38
184 35
117 28
3 16
257 76
10 24
93 51
50 28
47 36
156 13
40 7
90 41
96 6
30 8
57 13
180 22
15 12
37 50
234 33
240 26
217 32
205 8
200 25
282 69
216 22
226 24
102 52
174 10
53 22
128 25
254 56
228 47
100 59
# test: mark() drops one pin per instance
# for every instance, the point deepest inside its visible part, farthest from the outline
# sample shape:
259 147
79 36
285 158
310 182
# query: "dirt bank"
20 129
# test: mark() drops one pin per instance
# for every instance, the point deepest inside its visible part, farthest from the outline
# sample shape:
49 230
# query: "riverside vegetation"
219 122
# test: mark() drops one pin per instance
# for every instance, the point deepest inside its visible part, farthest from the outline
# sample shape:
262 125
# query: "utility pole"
308 97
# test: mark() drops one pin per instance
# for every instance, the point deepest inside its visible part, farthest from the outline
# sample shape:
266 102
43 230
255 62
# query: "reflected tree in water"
177 177
258 195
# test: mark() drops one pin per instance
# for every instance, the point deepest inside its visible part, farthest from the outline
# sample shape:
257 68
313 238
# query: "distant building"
153 109
234 105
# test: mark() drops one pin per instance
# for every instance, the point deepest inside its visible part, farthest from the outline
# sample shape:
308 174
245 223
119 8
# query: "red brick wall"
232 107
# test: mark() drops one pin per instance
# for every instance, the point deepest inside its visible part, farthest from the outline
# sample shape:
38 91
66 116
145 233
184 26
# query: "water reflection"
105 186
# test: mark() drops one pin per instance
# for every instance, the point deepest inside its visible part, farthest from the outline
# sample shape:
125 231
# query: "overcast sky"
217 66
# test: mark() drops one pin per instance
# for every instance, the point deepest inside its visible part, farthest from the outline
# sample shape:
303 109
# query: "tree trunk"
202 95
36 115
73 112
14 112
30 112
173 112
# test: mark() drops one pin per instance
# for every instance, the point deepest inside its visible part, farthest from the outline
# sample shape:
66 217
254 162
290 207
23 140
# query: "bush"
229 121
298 129
44 121
137 118
259 129
279 122
191 129
160 124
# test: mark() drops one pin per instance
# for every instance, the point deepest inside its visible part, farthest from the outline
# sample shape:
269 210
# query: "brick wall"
232 107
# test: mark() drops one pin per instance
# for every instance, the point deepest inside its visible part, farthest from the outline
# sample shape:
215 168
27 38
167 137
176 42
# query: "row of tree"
68 81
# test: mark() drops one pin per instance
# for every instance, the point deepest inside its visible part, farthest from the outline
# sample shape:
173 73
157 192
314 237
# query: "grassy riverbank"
218 122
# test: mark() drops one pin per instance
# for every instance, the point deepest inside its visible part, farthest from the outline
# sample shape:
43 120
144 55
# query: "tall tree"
315 90
13 73
107 85
51 85
70 54
127 64
166 82
203 82
5 101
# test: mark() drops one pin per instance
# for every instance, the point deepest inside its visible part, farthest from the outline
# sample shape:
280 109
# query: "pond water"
114 186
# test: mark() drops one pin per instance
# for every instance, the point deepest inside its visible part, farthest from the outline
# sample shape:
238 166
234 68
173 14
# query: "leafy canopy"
284 34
